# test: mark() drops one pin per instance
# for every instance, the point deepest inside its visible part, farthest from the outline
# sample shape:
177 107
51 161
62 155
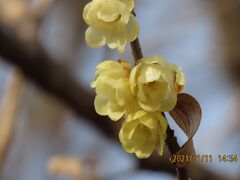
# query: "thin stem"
136 47
171 141
136 50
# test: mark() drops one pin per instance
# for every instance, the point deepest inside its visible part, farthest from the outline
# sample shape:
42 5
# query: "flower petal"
154 59
149 73
128 129
108 65
94 38
162 133
115 112
86 13
108 11
133 78
149 121
101 105
132 29
180 78
146 139
104 89
170 102
156 93
129 4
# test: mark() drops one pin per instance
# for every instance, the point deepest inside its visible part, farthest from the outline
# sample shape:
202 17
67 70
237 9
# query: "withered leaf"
187 114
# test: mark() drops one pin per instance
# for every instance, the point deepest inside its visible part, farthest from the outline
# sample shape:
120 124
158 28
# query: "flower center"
127 70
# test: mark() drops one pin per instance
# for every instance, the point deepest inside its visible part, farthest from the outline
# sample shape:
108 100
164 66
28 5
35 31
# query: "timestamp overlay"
205 158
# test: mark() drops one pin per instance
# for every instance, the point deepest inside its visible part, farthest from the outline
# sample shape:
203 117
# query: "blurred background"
48 128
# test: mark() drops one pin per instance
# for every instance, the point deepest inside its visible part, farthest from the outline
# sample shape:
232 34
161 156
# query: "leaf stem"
171 141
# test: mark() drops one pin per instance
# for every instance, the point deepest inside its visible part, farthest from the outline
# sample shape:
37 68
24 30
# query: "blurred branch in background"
8 111
53 77
228 16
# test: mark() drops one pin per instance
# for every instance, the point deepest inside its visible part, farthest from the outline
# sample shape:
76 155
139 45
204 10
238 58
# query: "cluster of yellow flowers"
139 94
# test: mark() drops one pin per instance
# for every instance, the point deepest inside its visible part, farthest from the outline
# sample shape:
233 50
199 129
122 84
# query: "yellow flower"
111 23
143 132
155 82
114 97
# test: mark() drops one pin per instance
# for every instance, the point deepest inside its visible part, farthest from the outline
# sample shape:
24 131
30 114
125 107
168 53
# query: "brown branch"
173 147
136 50
53 78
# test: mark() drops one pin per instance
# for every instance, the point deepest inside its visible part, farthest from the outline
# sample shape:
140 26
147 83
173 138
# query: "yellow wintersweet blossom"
156 82
143 132
114 97
110 22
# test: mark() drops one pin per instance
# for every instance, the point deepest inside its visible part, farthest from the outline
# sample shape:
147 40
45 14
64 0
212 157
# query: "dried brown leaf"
187 114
